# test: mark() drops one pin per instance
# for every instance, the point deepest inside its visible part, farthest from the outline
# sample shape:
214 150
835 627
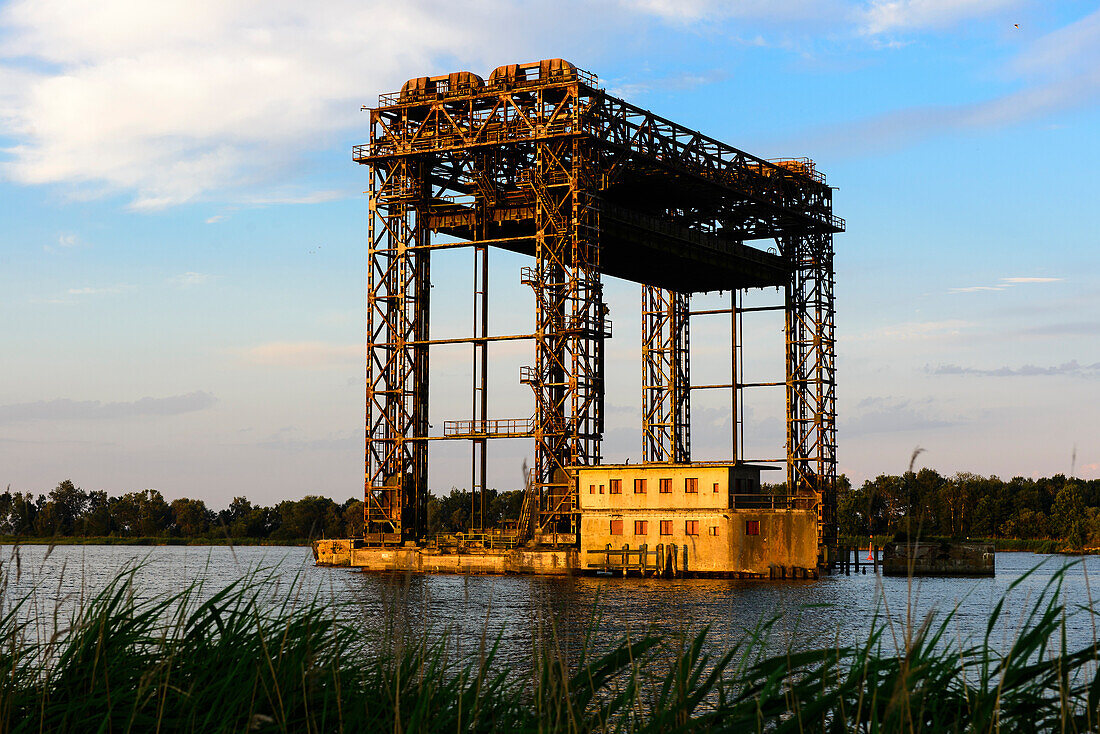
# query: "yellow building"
693 519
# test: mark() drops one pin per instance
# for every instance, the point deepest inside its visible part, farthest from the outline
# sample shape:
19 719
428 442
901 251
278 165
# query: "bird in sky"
1017 26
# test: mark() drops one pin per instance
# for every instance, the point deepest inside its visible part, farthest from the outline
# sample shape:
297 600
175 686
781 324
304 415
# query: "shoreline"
1002 545
153 541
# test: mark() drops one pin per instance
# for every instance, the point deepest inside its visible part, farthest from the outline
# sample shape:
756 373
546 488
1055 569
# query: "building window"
639 486
716 487
616 527
616 486
601 489
666 486
691 527
691 485
713 529
591 489
752 527
666 527
641 527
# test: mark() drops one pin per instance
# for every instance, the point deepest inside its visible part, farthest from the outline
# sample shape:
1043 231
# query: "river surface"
524 611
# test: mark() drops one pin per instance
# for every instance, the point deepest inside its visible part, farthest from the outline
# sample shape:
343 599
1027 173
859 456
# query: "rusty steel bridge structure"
538 159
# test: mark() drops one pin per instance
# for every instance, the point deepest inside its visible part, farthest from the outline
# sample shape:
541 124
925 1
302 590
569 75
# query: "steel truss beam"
666 384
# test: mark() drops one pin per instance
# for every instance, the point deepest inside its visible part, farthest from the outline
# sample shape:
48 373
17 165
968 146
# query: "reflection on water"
523 611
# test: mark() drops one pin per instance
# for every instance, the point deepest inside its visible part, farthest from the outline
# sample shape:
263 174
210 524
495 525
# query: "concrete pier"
938 558
539 562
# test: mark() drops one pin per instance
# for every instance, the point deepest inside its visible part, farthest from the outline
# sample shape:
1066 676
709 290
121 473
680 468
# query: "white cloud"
189 279
916 331
879 415
174 99
66 409
1058 71
690 11
1071 368
65 242
674 10
313 355
316 197
216 218
89 291
881 16
977 288
1005 284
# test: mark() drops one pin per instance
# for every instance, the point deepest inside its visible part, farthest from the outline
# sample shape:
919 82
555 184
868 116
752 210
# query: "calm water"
522 609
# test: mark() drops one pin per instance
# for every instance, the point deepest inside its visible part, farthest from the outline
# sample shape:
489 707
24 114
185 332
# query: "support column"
569 321
811 376
666 391
398 287
479 411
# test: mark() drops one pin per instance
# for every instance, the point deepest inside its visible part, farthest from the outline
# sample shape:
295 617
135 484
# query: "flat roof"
662 465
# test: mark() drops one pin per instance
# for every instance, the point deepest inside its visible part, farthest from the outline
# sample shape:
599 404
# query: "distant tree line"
960 506
69 511
968 505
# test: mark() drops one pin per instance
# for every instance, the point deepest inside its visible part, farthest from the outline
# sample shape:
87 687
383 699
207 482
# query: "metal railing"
491 540
494 427
772 502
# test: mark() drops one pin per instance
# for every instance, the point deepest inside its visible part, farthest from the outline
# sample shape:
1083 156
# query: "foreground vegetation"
239 661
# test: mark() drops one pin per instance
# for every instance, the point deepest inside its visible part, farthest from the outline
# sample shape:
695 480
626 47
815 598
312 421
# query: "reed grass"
245 659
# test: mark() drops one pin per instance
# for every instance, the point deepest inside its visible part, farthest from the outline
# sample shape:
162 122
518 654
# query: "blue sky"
182 258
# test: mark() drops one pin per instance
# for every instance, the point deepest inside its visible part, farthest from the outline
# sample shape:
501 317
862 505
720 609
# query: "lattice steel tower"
539 160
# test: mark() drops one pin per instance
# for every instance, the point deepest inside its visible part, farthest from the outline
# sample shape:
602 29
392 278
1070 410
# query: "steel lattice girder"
666 392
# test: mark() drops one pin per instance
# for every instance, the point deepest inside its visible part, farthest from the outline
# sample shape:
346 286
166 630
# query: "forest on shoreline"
1057 509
